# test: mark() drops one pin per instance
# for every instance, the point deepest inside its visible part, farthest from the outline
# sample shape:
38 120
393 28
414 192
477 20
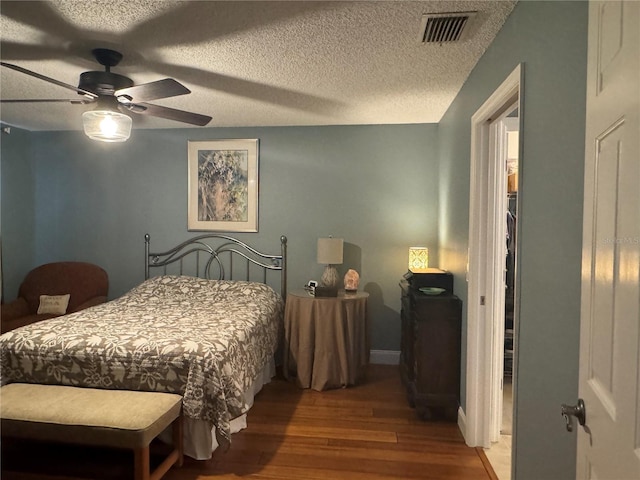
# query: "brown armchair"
86 283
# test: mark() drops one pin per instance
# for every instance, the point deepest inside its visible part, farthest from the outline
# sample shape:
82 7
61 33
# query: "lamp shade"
418 259
106 125
330 251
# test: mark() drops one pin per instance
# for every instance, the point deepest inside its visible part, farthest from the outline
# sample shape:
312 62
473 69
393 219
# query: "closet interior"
512 127
509 304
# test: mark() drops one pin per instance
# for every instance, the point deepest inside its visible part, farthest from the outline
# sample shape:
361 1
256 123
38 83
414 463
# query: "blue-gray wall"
375 186
17 207
550 39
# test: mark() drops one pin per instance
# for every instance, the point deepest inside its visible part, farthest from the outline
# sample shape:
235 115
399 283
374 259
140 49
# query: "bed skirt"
200 440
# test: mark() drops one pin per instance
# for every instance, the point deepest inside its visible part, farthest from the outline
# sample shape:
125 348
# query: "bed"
201 324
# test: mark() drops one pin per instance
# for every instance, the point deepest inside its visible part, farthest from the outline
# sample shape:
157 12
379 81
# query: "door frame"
485 270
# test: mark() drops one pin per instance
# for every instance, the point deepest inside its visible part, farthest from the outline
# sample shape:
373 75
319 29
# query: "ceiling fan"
115 96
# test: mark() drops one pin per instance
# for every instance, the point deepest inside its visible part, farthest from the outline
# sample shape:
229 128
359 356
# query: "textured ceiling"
246 63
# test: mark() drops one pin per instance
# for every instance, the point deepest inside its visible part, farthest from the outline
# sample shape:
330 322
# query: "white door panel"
609 446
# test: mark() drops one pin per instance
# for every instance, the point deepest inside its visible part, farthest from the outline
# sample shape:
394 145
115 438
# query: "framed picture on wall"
223 185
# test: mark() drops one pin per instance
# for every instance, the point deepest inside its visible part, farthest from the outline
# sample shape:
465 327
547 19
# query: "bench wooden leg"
175 457
141 460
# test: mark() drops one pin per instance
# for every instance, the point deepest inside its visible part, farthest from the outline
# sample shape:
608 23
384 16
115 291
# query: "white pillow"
55 304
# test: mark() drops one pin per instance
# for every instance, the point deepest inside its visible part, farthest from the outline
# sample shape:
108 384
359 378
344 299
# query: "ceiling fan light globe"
106 125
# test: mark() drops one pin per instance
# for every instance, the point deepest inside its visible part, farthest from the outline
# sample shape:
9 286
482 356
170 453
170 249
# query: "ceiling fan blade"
50 100
248 88
50 80
166 112
165 88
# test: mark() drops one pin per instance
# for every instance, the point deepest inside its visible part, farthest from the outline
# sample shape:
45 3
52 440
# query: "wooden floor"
366 432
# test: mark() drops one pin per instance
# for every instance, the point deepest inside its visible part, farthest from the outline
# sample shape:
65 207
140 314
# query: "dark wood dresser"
430 352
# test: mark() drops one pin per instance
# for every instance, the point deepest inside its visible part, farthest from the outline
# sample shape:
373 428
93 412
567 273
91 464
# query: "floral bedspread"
203 339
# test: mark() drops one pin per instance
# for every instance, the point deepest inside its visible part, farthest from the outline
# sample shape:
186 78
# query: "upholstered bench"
88 416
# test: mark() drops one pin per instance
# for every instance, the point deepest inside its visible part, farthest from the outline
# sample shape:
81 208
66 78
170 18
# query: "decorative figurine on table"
351 281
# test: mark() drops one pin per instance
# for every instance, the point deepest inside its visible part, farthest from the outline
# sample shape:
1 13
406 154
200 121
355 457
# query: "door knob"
577 411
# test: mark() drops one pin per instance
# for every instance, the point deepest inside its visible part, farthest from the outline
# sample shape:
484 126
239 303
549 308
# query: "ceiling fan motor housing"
103 83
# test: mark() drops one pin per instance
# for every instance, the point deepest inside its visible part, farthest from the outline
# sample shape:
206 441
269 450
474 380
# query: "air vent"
444 27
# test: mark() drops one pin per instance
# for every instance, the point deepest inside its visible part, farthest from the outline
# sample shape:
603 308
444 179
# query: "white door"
609 446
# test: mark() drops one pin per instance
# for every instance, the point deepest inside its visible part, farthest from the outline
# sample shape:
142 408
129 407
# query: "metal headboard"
200 250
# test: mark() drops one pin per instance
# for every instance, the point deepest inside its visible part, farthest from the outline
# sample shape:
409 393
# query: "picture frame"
223 185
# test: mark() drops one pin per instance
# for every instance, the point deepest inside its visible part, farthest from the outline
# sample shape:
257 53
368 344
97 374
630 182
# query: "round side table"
326 339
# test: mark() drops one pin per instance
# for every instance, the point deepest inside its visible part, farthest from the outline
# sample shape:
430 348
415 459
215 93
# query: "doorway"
504 149
492 307
512 163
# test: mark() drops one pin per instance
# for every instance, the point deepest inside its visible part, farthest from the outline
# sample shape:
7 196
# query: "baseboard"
384 357
462 423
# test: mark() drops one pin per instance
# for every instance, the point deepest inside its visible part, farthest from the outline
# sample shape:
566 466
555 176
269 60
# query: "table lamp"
330 254
418 259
